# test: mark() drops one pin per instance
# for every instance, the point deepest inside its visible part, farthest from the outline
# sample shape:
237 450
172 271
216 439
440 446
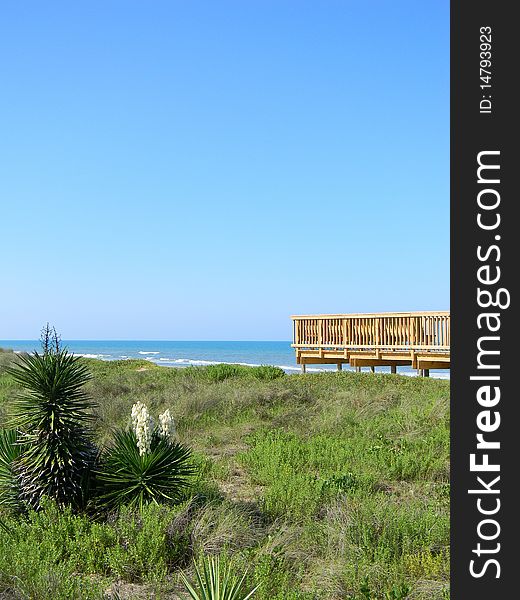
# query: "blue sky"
202 170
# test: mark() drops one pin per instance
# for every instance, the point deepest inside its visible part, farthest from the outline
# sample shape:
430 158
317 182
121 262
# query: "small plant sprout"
214 581
166 426
143 426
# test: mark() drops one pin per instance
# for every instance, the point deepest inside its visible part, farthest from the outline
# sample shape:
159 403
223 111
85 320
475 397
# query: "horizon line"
135 340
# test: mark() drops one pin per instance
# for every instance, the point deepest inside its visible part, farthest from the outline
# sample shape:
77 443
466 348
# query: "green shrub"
267 372
276 579
53 415
37 560
397 592
300 473
127 477
221 372
386 530
144 548
55 551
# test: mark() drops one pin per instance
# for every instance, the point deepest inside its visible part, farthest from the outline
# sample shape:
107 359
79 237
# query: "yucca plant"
128 476
53 416
11 448
214 582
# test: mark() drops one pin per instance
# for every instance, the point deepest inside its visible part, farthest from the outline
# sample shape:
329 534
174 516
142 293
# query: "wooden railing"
425 331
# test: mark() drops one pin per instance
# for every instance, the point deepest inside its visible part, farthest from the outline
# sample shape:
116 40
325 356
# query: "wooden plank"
434 356
313 360
424 363
445 313
374 362
436 349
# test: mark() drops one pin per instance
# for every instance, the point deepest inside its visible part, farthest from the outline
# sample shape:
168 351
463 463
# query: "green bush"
276 579
127 477
221 372
267 372
144 548
37 560
53 415
303 473
55 547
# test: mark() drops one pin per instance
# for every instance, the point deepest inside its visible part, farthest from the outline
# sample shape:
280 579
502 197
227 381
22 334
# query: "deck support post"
373 369
340 367
304 368
393 369
426 372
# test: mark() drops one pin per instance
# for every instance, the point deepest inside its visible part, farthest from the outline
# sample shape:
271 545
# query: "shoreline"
184 354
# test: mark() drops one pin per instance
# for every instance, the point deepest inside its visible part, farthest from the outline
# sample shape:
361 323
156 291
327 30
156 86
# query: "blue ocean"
183 353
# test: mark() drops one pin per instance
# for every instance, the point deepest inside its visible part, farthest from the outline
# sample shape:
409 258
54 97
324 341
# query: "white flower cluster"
143 427
166 425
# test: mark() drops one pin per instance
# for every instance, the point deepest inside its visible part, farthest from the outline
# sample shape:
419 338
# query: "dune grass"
321 486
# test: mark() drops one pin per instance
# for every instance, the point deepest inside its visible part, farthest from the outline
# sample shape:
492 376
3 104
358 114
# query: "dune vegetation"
301 487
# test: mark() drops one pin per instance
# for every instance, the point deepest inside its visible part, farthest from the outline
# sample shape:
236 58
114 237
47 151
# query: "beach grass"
322 486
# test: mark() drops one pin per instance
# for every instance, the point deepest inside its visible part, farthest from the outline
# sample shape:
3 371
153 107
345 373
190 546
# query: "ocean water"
184 353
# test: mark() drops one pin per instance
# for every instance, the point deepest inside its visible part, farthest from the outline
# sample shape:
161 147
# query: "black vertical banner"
485 426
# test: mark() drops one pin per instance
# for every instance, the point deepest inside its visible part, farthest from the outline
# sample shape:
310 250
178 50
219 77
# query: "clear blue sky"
202 170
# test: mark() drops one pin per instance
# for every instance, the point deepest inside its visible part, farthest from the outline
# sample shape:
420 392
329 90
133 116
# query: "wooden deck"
417 339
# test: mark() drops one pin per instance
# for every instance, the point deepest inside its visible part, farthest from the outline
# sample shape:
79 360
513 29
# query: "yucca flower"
166 426
143 426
